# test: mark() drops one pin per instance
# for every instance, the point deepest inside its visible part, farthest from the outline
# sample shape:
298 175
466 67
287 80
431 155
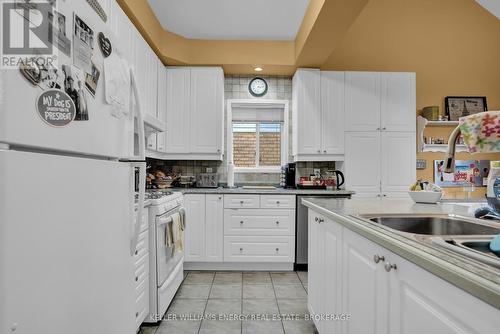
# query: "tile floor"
256 296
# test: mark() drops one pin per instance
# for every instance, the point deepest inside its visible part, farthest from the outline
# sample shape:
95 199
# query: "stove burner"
154 194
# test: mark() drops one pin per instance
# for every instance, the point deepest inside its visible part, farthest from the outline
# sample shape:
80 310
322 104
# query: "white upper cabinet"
332 112
306 109
362 162
362 101
318 115
398 162
207 110
178 116
398 104
162 105
195 113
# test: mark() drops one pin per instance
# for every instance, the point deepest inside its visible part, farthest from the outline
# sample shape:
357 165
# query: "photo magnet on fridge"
74 87
83 44
58 27
92 79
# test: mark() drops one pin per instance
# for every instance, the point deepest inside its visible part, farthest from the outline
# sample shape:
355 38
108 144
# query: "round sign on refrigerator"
56 108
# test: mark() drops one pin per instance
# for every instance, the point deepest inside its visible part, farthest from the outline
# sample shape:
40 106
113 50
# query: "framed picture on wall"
460 106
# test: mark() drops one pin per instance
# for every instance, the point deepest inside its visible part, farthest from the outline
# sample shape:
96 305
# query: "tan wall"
452 45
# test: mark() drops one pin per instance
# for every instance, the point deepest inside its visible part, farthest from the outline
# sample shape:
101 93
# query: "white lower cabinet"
204 221
239 228
364 285
382 292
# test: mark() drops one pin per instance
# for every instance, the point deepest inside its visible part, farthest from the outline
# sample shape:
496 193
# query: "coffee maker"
288 173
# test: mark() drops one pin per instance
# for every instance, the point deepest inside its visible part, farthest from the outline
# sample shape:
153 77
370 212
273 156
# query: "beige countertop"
477 279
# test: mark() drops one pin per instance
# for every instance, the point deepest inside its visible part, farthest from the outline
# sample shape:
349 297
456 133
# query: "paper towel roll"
230 175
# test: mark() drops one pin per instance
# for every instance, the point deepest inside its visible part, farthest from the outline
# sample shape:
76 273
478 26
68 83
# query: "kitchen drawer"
142 304
259 222
241 201
259 248
142 246
277 201
141 270
143 226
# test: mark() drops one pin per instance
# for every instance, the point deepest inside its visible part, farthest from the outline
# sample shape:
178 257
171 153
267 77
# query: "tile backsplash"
193 167
236 87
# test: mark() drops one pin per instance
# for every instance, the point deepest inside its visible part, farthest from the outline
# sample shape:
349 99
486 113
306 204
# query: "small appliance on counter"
207 180
287 179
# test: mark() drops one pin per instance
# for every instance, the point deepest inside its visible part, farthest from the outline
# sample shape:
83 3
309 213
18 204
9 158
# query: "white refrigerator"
67 227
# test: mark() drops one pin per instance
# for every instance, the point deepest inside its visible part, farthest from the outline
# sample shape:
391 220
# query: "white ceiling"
493 6
231 19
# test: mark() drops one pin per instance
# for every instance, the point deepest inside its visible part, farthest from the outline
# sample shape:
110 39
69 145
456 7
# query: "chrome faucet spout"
449 158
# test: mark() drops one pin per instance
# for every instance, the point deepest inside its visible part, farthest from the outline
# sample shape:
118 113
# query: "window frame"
284 134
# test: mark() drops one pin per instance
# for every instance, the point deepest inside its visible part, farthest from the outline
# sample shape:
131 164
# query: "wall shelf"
441 148
422 123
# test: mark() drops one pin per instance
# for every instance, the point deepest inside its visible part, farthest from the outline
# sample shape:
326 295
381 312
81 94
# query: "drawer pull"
136 314
377 258
277 202
241 202
277 249
241 222
277 223
136 278
389 266
241 249
136 252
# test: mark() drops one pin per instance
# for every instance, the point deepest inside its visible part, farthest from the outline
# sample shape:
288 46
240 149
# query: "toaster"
207 180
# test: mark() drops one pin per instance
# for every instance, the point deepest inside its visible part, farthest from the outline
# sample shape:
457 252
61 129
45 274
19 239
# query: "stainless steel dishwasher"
301 230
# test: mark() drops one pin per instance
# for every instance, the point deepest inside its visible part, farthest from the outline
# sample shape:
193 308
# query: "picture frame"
460 106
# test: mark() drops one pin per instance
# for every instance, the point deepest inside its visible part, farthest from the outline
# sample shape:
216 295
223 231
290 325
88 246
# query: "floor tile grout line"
277 304
206 303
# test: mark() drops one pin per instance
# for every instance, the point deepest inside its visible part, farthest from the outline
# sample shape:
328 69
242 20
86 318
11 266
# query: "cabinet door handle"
378 129
241 222
136 278
389 266
220 197
377 258
378 195
316 219
241 202
277 249
136 252
320 220
218 150
385 195
384 128
277 202
241 249
319 151
277 223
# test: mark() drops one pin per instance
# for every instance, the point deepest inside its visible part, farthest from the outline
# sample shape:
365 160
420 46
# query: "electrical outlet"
421 164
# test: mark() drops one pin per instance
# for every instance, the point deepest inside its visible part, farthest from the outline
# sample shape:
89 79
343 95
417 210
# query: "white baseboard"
240 266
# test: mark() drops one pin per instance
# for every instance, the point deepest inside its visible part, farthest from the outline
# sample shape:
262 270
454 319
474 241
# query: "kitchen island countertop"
478 280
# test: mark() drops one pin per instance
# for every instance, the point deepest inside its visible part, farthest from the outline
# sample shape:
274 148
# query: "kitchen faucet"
449 158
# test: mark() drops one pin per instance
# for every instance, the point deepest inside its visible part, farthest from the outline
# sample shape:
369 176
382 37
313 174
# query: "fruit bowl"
425 196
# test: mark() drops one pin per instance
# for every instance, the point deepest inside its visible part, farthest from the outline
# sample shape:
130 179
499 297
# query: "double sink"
465 236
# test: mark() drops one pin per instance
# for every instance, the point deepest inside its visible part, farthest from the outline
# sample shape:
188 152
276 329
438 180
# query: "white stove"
165 265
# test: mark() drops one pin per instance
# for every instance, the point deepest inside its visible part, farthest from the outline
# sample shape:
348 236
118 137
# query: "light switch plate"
421 164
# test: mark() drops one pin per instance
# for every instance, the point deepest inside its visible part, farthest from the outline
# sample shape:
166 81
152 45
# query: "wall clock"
257 87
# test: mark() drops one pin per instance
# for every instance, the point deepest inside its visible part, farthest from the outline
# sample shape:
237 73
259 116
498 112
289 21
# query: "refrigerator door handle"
140 118
136 219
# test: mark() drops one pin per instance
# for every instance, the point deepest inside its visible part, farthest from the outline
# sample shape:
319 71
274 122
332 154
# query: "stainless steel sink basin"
434 225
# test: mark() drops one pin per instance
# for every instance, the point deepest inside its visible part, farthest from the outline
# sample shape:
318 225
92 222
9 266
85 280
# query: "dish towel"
169 235
178 232
481 132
